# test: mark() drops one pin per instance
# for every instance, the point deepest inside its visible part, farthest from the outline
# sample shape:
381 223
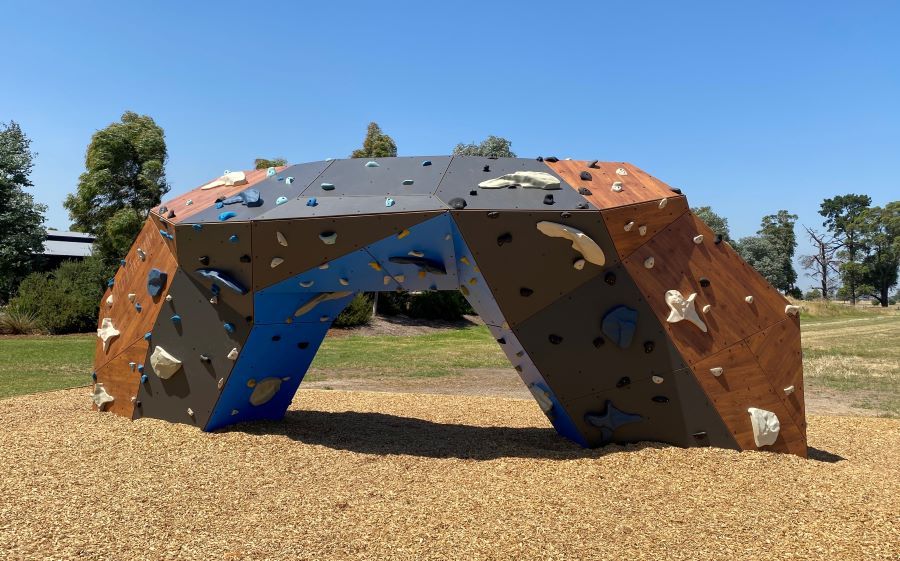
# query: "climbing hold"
107 332
109 300
593 164
719 239
599 342
565 214
147 336
554 339
581 243
792 310
176 318
472 281
649 346
660 399
276 261
220 384
234 412
609 278
526 179
581 206
619 325
144 378
203 259
288 180
156 280
681 308
663 203
281 200
306 284
493 214
327 186
525 292
486 168
220 203
548 199
424 264
190 412
706 308
642 230
551 159
232 354
621 171
204 358
265 390
698 239
609 420
657 379
748 299
140 368
141 254
100 398
226 215
617 187
717 371
407 182
789 390
542 396
244 258
229 327
504 239
375 265
166 235
323 319
323 266
765 426
416 253
628 226
386 280
249 198
233 238
312 202
318 299
169 298
132 365
623 381
403 233
224 278
584 191
585 176
389 202
164 364
131 297
578 264
328 238
372 164
138 307
649 262
704 282
457 203
344 282
426 163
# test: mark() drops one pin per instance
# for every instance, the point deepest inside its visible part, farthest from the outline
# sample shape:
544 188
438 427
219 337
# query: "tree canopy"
124 178
491 147
263 163
376 144
844 218
21 219
716 223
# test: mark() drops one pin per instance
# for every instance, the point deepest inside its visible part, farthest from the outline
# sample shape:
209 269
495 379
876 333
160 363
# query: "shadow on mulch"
823 455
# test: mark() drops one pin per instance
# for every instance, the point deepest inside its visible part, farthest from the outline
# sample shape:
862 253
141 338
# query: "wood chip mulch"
358 475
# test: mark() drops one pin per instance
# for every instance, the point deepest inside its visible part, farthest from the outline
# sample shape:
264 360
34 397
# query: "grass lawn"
42 363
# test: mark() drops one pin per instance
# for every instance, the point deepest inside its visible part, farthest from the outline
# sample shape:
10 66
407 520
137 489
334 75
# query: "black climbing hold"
204 259
204 358
94 376
699 435
518 367
302 345
493 157
245 258
486 168
423 263
704 282
649 346
719 238
585 176
525 292
611 419
609 278
473 192
551 159
565 214
593 164
584 191
554 339
675 190
504 238
548 200
501 340
249 319
623 381
660 399
458 203
512 186
276 337
493 214
540 158
137 403
599 342
171 214
581 206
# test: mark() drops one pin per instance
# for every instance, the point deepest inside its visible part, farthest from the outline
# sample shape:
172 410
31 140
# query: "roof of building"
68 244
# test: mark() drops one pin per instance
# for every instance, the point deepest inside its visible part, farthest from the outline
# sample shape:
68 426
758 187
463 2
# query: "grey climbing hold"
224 278
372 164
610 419
226 215
281 200
457 203
584 191
156 280
619 325
593 164
327 186
586 176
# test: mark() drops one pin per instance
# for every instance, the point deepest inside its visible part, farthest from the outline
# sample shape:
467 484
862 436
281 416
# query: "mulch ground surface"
359 475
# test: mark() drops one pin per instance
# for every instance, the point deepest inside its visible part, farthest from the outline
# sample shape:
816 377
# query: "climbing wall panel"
121 378
381 177
200 335
608 184
307 245
742 384
778 352
477 293
330 206
131 279
632 226
525 268
678 263
166 231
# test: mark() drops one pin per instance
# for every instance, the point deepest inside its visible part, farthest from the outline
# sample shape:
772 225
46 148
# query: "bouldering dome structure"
626 317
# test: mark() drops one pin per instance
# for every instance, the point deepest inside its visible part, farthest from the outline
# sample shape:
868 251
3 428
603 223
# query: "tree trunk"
884 297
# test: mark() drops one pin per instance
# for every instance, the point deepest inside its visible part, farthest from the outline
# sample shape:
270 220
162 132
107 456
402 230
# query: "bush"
65 300
14 321
357 312
393 303
445 304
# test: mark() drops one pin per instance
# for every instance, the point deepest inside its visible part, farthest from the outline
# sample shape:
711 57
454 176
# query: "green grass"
41 363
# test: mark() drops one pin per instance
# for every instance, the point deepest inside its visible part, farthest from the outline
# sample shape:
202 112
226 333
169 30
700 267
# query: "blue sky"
748 107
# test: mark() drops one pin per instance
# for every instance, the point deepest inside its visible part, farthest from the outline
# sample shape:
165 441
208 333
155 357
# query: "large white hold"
681 308
164 364
527 179
265 390
318 299
541 396
581 242
229 179
100 397
107 332
765 426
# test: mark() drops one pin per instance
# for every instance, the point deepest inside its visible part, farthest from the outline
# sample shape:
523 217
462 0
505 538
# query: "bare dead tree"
822 265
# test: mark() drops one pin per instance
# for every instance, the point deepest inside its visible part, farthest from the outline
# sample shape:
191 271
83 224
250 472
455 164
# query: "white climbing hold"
386 280
109 300
698 239
792 310
234 412
169 298
323 266
749 299
642 230
107 332
232 354
400 278
329 238
189 202
765 426
276 261
621 171
707 308
307 284
164 364
285 378
318 299
629 226
214 299
682 308
717 371
416 253
581 242
281 239
100 397
228 179
663 203
789 390
190 412
221 383
649 262
578 264
141 254
617 187
265 390
323 319
526 179
131 296
344 282
657 379
542 397
372 164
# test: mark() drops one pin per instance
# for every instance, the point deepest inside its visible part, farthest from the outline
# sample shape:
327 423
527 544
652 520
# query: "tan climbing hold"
717 371
789 390
227 180
400 278
190 412
386 280
403 234
318 299
306 284
344 282
581 242
663 203
578 264
629 226
375 265
221 383
276 261
682 308
109 301
621 171
657 379
281 239
329 238
642 230
765 426
251 383
698 239
107 332
617 187
164 364
749 299
526 179
416 253
265 390
100 397
649 262
542 397
323 266
464 289
464 260
421 274
707 308
214 300
131 296
792 310
233 354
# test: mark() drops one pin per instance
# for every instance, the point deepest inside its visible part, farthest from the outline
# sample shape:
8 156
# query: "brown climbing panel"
120 380
132 278
164 225
679 264
777 349
742 385
603 176
647 215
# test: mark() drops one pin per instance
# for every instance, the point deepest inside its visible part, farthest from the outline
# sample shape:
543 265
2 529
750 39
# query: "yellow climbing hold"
464 260
251 383
375 265
403 234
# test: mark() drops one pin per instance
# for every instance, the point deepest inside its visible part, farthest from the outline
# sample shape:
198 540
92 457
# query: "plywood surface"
777 349
647 215
120 380
603 176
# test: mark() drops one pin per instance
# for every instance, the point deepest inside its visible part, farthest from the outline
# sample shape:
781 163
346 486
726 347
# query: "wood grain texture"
777 350
603 175
646 214
131 278
120 380
742 385
679 264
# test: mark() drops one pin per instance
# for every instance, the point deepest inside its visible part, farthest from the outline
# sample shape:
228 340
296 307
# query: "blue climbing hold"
611 419
372 164
389 202
223 277
270 172
312 202
250 197
144 378
226 215
229 327
197 226
234 238
220 204
166 235
147 336
619 324
156 280
426 163
176 318
122 262
214 288
140 368
280 200
110 282
138 307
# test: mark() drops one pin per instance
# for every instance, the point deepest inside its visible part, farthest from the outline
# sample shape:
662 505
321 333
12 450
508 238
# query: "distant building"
62 246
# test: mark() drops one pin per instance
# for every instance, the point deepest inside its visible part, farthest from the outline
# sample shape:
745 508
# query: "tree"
844 218
766 257
778 230
262 163
125 177
491 147
881 236
715 222
376 144
823 264
21 219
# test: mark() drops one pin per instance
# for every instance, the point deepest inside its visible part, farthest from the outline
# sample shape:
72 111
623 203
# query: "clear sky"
748 107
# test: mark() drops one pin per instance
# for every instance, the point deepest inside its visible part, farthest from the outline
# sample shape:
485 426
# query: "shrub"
357 312
65 300
447 305
393 303
14 321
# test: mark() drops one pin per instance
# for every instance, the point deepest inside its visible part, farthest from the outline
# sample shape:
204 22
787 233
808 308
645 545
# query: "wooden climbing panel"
121 378
604 176
777 349
632 226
